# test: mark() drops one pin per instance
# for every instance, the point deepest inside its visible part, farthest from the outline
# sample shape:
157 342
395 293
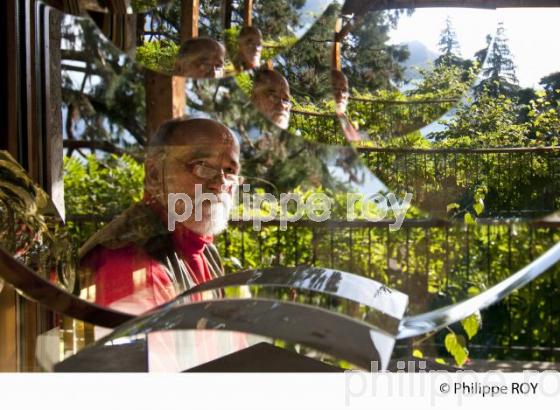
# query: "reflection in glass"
271 96
436 261
327 332
200 57
162 245
400 80
119 7
250 35
249 48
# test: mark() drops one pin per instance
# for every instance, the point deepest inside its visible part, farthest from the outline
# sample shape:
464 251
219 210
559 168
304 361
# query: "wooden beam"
10 78
165 99
248 13
336 62
8 330
54 155
189 19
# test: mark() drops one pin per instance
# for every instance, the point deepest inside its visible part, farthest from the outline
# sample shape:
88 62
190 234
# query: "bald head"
250 47
185 132
340 90
200 57
271 96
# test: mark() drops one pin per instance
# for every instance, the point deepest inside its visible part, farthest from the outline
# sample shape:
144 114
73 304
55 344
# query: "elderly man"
271 96
249 48
200 57
144 258
341 94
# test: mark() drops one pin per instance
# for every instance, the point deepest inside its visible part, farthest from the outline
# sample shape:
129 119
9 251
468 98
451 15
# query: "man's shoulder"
135 226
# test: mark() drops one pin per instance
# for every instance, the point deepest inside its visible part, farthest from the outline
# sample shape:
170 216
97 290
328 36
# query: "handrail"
458 150
445 316
341 223
405 102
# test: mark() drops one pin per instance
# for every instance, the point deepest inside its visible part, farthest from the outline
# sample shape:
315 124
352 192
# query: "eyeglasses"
209 173
275 98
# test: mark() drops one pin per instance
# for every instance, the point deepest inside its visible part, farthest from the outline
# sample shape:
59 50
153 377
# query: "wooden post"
54 175
248 13
227 10
118 6
165 99
336 63
189 19
165 94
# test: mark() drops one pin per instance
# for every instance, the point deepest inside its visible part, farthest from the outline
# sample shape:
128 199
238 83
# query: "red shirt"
129 279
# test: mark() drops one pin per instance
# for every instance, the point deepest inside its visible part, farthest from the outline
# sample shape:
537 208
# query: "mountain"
420 56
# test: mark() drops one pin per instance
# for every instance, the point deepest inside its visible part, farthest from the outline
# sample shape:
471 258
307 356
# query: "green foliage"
488 121
368 61
102 187
448 43
472 324
544 117
158 55
500 77
456 346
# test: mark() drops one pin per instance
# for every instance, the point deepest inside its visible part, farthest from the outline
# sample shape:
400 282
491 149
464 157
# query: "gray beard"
215 219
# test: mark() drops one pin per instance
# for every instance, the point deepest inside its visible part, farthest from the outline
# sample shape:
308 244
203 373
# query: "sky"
533 35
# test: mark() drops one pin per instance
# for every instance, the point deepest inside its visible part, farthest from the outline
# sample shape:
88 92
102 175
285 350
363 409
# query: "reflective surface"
185 40
483 189
435 320
327 281
327 332
399 81
119 7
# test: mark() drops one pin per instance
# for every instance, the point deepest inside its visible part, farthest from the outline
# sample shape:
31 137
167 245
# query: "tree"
368 61
102 89
306 65
488 121
499 72
551 84
448 43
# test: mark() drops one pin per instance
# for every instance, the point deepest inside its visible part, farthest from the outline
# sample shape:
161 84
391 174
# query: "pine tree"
499 72
448 44
450 49
368 60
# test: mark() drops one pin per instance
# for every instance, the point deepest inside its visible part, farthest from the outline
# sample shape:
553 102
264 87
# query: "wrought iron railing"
436 262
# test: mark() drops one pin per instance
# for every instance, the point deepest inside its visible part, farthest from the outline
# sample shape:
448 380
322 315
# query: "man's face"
250 48
340 91
202 65
210 162
274 102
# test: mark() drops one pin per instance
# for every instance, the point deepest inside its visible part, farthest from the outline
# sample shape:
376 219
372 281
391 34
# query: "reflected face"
250 48
271 96
340 91
208 158
201 58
